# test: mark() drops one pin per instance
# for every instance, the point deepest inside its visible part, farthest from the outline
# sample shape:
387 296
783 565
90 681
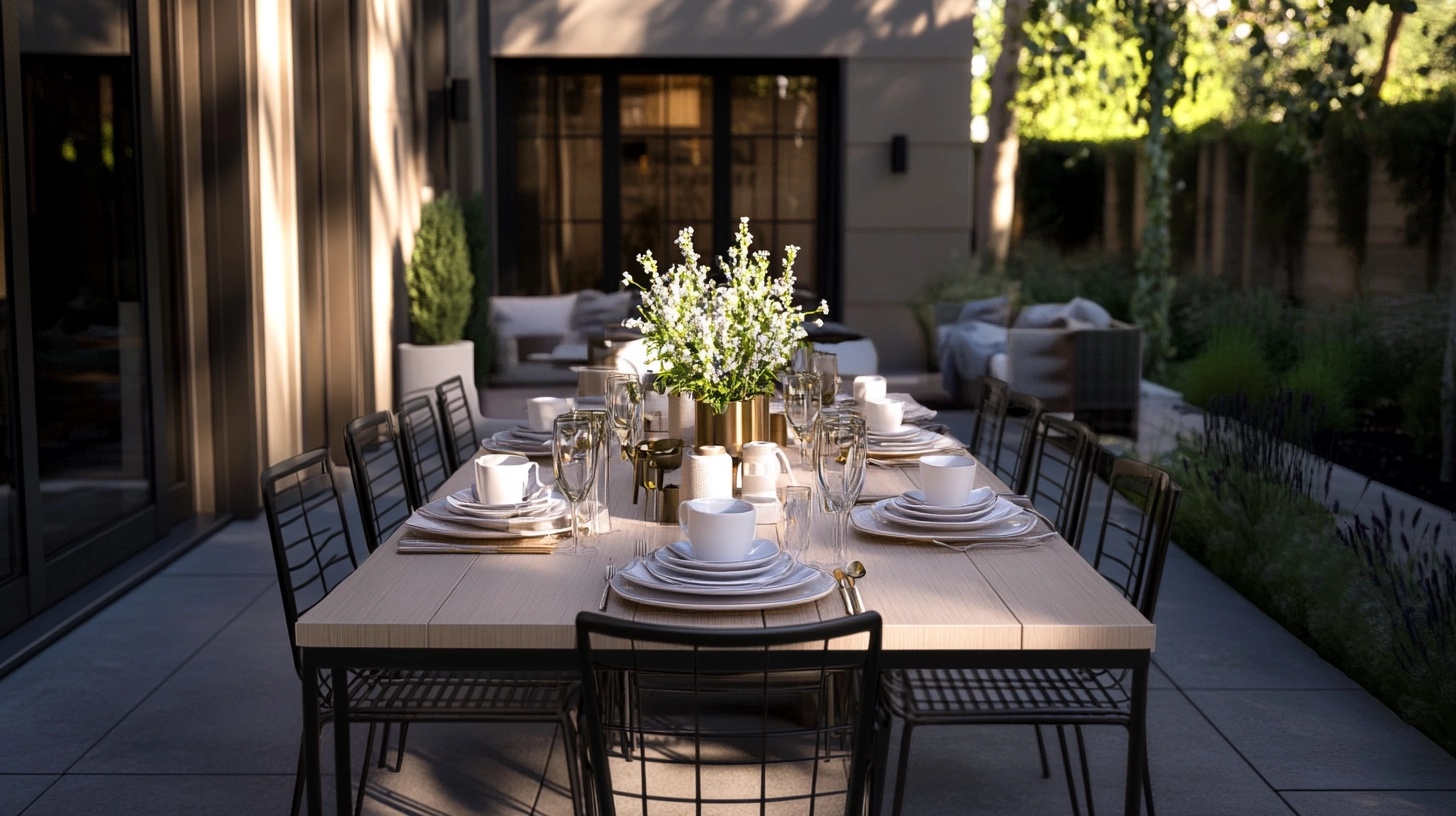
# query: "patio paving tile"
1210 637
71 695
165 795
241 548
1326 740
17 791
1372 803
233 708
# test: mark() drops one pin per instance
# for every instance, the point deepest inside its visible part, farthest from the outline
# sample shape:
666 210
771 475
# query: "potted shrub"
440 287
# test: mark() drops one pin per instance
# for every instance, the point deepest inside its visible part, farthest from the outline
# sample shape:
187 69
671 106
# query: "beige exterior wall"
906 71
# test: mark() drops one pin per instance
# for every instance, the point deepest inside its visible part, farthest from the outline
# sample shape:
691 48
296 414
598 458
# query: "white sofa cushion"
595 310
519 315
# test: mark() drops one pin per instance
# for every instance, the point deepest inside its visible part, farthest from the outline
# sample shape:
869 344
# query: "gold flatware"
841 578
854 571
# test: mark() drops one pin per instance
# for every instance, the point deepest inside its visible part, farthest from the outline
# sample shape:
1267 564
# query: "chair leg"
1067 769
363 771
384 745
298 782
1148 785
883 721
904 766
1086 772
399 754
1046 770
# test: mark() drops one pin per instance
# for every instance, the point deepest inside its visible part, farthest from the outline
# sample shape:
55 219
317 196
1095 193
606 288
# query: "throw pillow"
1084 313
996 311
596 309
518 315
1042 316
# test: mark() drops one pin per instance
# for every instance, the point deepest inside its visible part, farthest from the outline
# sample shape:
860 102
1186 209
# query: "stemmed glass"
801 408
826 365
624 407
575 442
840 452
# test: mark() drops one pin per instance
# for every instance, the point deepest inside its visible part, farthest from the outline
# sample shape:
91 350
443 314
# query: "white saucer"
759 553
980 497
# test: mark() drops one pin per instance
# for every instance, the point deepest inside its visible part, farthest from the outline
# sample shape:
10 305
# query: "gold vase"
739 422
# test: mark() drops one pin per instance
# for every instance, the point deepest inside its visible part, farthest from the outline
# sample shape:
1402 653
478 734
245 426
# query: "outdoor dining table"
1006 608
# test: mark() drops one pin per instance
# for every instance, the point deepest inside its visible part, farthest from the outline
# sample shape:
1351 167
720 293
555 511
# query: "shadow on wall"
788 27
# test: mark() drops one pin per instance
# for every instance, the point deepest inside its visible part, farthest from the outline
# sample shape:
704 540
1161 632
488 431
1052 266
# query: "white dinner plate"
902 432
889 512
930 443
641 573
455 529
760 552
685 570
465 501
527 432
547 515
1022 524
819 585
980 498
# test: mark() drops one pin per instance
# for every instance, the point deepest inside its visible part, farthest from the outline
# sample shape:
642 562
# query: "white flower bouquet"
721 341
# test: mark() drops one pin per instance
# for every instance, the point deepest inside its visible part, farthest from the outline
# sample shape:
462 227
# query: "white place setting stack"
908 441
506 510
727 570
950 512
522 440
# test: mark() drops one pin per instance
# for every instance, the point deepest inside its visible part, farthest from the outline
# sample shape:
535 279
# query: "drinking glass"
575 444
600 522
840 452
624 408
796 500
801 408
826 365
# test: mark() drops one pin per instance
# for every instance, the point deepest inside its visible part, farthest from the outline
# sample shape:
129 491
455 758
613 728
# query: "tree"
996 174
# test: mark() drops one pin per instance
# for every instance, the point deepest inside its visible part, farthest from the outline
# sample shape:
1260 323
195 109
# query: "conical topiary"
438 278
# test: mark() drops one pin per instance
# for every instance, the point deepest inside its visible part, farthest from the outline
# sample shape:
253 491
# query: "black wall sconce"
899 153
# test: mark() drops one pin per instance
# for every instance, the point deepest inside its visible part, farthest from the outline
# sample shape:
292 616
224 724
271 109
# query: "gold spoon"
856 569
842 580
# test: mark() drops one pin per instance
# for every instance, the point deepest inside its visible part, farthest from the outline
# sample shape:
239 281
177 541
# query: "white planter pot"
421 368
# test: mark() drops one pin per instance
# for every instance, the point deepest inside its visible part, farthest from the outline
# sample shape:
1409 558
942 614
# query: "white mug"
502 478
868 387
762 464
542 411
947 481
718 529
883 415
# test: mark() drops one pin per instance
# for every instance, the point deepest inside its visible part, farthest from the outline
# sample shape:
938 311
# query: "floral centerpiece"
725 340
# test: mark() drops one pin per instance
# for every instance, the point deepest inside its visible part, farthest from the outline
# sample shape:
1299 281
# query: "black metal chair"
1128 555
705 719
380 478
313 553
458 421
1059 479
426 461
1001 407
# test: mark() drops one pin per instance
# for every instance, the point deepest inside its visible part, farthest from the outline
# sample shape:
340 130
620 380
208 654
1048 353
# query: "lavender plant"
720 340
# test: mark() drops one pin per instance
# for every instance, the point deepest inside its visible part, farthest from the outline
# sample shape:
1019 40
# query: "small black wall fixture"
899 153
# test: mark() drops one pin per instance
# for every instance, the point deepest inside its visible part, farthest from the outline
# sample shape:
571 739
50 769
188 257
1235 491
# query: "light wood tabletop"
932 599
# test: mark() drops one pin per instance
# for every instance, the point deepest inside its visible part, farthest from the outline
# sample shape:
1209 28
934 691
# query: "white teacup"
542 411
718 529
883 415
868 387
947 481
502 478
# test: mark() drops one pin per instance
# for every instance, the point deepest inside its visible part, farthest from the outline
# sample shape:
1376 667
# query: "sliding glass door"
601 160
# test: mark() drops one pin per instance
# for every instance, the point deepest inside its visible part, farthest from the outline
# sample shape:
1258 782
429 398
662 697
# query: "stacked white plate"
522 440
908 440
765 579
461 515
914 411
985 517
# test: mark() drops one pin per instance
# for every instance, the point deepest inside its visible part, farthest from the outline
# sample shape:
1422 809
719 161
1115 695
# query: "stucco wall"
906 70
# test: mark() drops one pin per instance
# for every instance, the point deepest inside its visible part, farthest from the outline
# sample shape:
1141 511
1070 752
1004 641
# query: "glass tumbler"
826 365
794 522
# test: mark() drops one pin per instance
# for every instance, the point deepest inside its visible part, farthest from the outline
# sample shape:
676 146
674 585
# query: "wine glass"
624 408
826 365
575 442
840 452
801 408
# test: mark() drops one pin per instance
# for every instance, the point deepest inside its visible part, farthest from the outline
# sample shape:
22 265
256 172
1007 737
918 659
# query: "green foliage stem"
438 278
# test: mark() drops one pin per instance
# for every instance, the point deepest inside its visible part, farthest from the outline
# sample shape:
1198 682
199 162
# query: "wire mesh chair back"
990 418
458 421
1132 543
1003 408
311 547
380 479
425 459
1059 477
702 720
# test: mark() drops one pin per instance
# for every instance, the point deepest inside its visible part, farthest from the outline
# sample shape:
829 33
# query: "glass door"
666 176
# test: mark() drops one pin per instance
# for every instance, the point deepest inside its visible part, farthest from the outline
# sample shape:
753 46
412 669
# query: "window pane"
537 186
753 104
798 176
535 108
643 102
689 189
752 178
579 105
